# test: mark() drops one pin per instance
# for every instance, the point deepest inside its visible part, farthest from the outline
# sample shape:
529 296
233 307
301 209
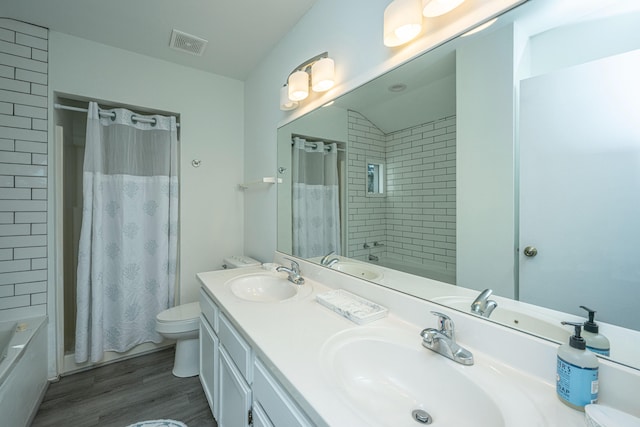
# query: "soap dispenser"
596 342
577 372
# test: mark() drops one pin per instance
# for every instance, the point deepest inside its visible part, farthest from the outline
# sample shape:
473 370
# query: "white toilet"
182 322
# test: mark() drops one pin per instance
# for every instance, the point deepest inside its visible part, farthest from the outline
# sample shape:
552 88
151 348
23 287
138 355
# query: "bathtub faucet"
373 258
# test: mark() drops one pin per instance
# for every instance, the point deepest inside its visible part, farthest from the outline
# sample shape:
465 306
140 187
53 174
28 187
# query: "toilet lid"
180 312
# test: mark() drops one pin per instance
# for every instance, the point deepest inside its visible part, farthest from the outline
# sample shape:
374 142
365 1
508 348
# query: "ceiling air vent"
187 43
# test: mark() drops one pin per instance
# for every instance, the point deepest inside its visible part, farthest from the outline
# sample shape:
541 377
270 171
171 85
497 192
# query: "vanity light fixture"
320 68
433 8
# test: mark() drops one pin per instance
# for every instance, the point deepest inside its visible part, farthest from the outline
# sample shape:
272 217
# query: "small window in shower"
375 178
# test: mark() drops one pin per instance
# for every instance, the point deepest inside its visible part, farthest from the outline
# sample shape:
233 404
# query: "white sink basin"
384 375
265 287
357 269
527 322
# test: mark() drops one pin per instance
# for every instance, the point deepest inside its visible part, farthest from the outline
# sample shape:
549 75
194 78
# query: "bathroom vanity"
273 355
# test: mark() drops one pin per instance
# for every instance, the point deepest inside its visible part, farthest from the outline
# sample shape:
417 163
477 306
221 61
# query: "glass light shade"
298 86
402 21
433 8
322 75
285 103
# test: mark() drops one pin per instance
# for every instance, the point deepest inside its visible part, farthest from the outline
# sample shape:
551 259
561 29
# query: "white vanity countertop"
289 337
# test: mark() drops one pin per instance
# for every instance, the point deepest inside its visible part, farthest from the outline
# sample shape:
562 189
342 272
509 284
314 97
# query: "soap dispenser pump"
577 372
596 342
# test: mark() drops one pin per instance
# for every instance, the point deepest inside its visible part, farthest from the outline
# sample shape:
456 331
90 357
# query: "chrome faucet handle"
295 267
442 340
293 272
325 259
445 325
482 305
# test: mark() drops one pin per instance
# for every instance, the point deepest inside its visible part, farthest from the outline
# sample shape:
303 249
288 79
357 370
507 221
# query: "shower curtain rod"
314 146
103 113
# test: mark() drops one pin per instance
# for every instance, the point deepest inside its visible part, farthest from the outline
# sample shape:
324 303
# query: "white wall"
211 130
485 163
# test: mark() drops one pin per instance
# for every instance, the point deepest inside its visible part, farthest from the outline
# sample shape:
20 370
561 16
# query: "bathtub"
429 271
23 370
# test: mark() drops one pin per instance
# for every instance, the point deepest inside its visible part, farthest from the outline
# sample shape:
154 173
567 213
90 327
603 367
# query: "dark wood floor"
123 393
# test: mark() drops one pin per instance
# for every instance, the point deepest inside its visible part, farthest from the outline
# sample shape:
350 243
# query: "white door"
580 189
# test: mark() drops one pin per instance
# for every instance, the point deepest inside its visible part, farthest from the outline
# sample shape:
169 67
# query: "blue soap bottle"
577 372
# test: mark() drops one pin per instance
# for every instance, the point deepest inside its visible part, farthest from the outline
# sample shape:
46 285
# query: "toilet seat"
181 318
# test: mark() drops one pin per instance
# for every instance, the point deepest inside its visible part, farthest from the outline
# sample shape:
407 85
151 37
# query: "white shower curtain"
316 209
128 243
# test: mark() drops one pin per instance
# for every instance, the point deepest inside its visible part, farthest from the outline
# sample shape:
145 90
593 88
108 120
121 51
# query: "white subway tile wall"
416 221
23 169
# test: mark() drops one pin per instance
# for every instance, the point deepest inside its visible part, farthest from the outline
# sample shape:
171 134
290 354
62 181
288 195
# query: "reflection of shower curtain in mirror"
128 242
316 211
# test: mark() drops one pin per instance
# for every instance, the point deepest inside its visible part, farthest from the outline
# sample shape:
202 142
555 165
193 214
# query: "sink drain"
421 416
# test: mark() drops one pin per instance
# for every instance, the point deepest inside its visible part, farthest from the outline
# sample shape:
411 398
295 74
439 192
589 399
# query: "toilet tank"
239 261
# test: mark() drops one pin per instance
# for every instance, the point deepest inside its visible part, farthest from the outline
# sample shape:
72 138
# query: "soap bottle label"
578 386
599 351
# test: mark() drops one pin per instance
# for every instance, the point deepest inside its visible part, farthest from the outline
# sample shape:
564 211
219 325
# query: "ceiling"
240 33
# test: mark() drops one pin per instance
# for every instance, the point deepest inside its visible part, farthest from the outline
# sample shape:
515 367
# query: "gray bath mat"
158 423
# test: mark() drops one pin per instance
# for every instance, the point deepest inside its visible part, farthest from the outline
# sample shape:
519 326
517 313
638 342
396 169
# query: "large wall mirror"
510 161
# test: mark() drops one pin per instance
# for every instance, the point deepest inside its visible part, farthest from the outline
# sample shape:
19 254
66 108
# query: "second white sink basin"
385 375
266 287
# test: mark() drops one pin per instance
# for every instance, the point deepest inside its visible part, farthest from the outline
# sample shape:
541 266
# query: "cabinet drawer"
209 309
280 408
238 349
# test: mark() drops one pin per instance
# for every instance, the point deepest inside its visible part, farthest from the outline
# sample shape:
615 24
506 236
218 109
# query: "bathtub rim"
19 342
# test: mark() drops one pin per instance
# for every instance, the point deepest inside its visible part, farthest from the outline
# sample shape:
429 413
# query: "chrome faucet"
293 272
329 262
482 305
443 340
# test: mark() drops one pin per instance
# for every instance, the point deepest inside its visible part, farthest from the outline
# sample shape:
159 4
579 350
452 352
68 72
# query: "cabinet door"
209 365
260 418
235 394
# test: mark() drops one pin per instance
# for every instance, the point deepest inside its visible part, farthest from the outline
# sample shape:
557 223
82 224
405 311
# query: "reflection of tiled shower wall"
416 219
366 216
23 169
421 202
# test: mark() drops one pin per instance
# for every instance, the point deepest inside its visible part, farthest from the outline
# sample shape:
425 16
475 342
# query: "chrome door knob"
530 251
